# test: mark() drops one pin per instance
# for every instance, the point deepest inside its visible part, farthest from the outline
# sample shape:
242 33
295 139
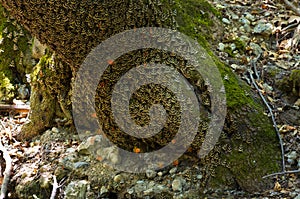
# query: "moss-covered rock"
290 84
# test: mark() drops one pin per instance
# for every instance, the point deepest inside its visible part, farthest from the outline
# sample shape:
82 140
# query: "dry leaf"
277 187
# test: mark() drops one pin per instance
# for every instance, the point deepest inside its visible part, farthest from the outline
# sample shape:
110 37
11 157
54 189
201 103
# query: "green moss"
195 17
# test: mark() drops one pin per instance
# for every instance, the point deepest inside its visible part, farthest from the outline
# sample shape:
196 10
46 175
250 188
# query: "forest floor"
260 36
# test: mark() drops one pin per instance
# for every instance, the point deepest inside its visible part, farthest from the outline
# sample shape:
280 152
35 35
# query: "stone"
76 189
249 16
150 174
177 185
55 130
263 28
221 47
256 48
243 20
226 21
173 170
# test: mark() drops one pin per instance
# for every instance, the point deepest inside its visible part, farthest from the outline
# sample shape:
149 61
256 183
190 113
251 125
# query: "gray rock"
77 190
247 28
244 38
103 190
150 174
199 177
297 197
221 47
249 16
226 21
177 184
256 48
78 165
232 46
173 170
91 144
263 28
55 130
244 21
292 156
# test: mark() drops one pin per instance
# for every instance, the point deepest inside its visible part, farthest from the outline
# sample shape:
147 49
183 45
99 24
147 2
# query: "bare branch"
291 6
7 171
282 173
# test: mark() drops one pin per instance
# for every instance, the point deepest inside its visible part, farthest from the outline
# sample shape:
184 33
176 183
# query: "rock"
160 174
199 177
221 47
244 21
256 48
297 103
89 145
45 179
150 174
263 28
173 170
111 154
247 28
23 92
177 184
226 21
118 178
297 197
77 190
249 16
292 156
78 165
55 130
244 38
103 191
233 46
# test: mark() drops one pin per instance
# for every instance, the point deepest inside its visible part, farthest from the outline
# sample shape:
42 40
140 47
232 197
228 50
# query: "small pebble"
226 21
150 174
55 130
173 170
221 46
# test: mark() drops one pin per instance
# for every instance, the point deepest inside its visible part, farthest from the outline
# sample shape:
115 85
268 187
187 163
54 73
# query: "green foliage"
14 55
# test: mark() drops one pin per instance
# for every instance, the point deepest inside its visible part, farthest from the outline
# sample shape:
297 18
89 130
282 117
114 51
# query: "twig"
282 173
56 186
7 171
273 120
54 189
292 7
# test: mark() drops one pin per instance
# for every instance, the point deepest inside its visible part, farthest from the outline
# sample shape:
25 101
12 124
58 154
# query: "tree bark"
248 148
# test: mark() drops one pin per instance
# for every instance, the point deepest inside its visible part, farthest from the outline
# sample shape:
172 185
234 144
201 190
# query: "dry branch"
293 7
7 171
14 108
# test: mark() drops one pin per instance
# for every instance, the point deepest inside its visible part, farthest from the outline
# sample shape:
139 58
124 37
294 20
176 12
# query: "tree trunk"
248 148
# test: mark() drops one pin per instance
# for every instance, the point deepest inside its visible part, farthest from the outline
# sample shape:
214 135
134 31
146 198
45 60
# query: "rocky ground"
254 29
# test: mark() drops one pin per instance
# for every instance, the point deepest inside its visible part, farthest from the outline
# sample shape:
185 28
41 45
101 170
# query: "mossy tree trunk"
248 148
